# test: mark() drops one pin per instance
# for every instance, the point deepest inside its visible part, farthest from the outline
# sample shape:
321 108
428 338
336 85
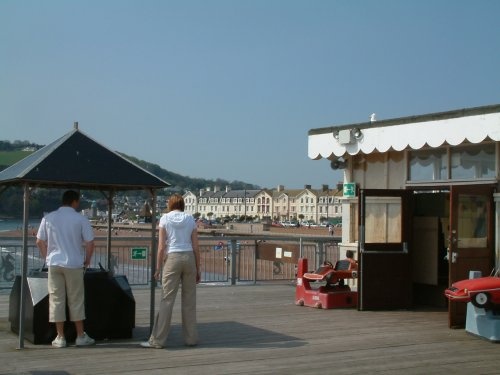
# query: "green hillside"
8 158
187 183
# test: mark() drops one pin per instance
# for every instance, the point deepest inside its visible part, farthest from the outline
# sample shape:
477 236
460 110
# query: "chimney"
75 125
307 186
228 188
280 188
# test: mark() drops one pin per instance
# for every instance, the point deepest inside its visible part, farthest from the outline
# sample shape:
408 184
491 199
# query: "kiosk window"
383 219
428 165
465 163
472 221
473 162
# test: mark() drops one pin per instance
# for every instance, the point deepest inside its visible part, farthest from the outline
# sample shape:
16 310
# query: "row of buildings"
278 204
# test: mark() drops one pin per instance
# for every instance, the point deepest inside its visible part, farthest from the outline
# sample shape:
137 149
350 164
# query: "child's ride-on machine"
334 293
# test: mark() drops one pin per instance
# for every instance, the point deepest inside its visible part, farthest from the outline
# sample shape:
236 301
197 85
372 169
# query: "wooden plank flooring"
257 329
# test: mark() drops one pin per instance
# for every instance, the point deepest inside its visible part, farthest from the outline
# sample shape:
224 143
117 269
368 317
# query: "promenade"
257 329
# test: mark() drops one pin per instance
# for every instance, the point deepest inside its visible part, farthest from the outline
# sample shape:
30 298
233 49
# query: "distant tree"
17 145
182 183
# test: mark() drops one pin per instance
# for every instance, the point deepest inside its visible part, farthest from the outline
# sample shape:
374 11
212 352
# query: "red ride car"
483 292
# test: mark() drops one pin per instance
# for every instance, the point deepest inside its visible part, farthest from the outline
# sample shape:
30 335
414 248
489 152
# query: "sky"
229 88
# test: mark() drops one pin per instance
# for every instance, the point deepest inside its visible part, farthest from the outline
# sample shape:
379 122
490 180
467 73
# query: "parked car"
308 223
482 292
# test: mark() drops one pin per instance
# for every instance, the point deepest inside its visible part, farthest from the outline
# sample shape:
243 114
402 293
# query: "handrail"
219 263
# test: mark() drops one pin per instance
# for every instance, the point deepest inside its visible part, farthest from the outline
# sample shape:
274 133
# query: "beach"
144 230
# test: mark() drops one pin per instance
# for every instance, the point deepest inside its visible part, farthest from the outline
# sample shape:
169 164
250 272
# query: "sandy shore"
144 230
100 233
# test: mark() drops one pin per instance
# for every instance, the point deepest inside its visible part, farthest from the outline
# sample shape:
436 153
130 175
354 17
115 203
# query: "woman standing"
178 243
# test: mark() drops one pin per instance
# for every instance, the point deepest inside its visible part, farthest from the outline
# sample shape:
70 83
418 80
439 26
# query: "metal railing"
229 260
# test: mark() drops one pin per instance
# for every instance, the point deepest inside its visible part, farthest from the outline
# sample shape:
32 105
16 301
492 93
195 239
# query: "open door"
470 245
385 269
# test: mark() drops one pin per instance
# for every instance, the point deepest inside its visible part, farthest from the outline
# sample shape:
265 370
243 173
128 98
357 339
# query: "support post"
108 240
154 250
24 266
233 261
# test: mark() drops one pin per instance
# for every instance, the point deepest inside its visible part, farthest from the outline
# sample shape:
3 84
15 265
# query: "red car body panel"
464 290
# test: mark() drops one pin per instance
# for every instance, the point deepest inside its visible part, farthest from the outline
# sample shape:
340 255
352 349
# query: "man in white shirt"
60 238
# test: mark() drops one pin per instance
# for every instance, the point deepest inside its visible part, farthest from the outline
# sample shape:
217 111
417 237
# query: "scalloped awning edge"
455 131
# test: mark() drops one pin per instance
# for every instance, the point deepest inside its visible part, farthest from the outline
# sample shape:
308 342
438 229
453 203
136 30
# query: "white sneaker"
84 340
59 342
147 344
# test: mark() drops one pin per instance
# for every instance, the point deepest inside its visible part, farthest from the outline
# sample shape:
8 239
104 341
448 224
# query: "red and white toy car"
482 292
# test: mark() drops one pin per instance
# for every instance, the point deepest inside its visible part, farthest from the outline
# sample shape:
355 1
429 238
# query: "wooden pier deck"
257 329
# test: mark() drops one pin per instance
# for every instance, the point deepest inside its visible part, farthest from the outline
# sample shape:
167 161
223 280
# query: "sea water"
17 224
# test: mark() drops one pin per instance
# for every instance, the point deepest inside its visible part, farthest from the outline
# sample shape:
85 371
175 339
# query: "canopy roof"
454 127
77 161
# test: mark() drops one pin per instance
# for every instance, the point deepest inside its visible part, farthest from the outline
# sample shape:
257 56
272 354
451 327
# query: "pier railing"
224 259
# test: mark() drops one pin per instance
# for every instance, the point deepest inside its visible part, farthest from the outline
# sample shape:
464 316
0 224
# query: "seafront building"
314 206
280 204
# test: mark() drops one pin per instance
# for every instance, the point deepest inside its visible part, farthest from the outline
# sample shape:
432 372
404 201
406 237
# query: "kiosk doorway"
452 234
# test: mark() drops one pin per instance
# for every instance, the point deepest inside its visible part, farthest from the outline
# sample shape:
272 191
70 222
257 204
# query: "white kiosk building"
421 203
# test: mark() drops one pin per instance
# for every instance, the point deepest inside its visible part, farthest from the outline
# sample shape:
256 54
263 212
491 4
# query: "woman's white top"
179 227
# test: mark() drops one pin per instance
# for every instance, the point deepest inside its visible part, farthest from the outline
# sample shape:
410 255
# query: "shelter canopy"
75 160
454 127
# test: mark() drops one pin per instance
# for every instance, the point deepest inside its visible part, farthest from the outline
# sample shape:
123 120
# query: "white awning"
414 135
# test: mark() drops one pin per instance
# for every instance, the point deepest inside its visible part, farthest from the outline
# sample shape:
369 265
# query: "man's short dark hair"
69 197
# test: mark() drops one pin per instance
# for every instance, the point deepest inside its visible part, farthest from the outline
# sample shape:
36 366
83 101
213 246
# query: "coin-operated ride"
482 292
483 311
333 292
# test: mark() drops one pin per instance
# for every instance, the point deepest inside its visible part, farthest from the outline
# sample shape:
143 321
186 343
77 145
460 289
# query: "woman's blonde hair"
176 202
